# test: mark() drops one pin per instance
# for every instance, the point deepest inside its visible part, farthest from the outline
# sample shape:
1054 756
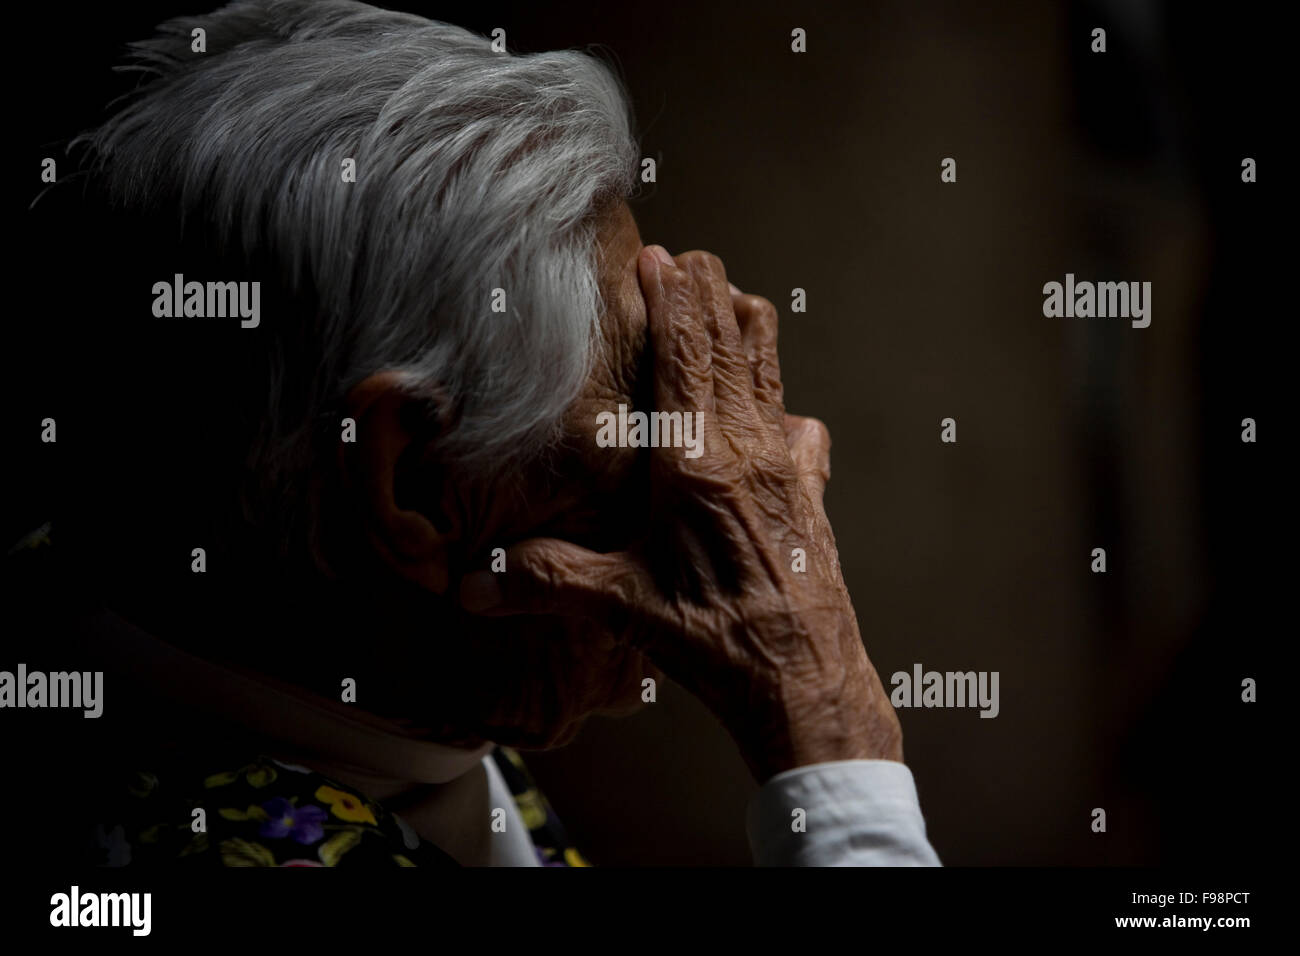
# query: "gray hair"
475 171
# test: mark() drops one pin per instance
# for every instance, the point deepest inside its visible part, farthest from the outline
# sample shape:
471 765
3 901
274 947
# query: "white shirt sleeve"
856 813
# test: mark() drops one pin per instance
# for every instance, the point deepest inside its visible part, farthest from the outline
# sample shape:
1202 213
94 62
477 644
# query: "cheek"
595 495
608 520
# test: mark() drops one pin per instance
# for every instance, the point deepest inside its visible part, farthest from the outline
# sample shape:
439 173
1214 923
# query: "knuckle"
808 431
819 433
694 346
679 291
545 565
533 565
704 263
763 309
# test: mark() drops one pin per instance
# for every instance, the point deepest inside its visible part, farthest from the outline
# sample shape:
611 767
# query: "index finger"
683 354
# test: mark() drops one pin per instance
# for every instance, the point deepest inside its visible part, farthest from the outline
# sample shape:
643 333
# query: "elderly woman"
394 500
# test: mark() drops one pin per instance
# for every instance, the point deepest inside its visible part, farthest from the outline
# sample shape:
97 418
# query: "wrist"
801 735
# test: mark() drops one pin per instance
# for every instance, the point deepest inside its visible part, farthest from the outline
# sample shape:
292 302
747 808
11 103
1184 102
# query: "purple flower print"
301 823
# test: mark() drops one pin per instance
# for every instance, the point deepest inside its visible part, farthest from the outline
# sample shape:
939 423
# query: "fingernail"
662 255
734 290
480 591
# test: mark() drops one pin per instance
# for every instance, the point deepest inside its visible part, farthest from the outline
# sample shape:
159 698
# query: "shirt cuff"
854 813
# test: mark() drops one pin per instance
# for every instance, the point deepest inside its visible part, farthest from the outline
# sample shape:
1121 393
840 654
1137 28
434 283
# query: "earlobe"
392 437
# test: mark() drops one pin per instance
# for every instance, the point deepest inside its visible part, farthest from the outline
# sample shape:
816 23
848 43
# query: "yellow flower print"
531 808
574 858
346 806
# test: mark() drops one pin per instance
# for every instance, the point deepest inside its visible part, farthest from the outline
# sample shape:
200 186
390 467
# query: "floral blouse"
268 813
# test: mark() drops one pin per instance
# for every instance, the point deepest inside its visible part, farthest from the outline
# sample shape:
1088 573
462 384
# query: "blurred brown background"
821 171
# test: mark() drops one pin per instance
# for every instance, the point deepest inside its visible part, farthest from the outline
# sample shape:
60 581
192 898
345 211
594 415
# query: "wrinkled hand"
712 597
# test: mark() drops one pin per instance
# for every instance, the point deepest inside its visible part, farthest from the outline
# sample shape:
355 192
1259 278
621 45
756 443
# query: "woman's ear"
396 427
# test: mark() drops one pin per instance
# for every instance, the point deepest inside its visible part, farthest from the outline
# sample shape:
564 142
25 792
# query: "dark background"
821 171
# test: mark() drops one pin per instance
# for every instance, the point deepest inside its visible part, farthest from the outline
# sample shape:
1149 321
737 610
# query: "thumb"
553 576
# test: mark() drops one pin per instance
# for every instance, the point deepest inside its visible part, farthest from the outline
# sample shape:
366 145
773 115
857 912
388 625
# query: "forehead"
618 244
622 336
